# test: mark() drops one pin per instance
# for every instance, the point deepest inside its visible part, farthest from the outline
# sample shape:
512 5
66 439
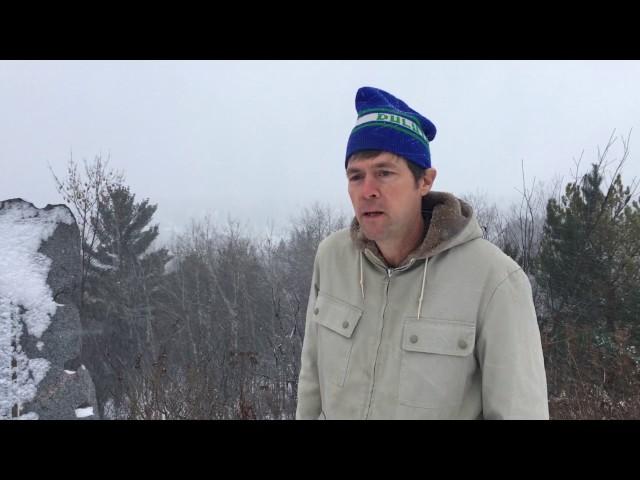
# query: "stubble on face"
385 183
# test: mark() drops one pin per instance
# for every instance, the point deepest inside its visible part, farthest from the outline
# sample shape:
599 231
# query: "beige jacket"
449 334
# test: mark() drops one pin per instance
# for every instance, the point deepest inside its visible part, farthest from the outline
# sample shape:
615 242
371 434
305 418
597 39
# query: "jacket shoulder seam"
507 277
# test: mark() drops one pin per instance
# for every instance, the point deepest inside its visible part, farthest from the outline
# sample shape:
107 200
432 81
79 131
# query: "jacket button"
413 339
345 324
316 310
462 344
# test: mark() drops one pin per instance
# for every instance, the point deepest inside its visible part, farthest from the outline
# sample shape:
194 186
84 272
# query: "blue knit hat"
387 123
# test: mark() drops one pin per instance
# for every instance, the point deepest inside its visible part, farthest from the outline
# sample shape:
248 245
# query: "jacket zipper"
373 378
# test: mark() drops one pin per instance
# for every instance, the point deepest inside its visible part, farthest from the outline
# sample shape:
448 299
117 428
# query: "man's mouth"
373 214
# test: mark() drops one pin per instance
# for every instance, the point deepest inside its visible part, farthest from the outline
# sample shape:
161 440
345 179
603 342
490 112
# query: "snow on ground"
25 298
29 416
84 412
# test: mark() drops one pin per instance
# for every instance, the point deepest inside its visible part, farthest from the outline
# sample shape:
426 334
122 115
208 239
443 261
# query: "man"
412 314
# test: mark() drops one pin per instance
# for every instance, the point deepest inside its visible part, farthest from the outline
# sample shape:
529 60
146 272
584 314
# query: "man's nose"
370 187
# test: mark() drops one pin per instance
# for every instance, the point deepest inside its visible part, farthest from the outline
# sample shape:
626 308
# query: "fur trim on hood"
446 217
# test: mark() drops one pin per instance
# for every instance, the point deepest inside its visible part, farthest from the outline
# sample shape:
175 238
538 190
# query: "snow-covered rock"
40 331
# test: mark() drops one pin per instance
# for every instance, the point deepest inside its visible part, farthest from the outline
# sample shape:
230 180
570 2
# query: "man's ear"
426 182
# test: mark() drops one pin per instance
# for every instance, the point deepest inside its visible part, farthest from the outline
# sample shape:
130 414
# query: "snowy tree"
122 278
82 190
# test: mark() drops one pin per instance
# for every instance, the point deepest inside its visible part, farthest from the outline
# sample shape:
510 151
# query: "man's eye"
354 177
385 173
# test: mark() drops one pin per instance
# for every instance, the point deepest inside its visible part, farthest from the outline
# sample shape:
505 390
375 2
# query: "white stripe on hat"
394 119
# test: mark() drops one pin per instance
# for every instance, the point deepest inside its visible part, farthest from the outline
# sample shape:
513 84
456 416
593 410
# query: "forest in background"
210 325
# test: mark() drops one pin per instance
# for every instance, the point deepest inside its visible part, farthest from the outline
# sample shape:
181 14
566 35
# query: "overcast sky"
261 139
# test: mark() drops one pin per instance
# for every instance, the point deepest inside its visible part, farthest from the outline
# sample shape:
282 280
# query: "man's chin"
372 234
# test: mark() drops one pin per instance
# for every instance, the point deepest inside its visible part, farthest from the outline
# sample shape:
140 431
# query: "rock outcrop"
41 375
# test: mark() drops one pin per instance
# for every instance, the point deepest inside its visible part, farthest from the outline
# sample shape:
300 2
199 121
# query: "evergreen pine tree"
122 280
589 268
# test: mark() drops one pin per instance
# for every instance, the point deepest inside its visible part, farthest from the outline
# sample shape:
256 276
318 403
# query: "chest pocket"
436 362
337 322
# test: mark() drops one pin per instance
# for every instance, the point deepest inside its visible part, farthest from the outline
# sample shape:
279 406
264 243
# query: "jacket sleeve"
309 404
509 352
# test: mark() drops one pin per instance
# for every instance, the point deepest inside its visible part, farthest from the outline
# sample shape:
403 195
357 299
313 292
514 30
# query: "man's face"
385 184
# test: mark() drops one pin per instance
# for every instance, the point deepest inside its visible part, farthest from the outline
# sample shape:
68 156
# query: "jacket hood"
449 221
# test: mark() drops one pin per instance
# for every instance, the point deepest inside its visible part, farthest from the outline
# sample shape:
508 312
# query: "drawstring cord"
424 277
361 281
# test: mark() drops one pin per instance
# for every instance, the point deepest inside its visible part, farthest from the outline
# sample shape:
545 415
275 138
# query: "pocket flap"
442 337
336 315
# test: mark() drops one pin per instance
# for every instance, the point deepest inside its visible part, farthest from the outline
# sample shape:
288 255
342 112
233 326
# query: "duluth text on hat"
385 117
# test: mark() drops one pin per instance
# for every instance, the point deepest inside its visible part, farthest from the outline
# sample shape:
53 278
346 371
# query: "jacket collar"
446 216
